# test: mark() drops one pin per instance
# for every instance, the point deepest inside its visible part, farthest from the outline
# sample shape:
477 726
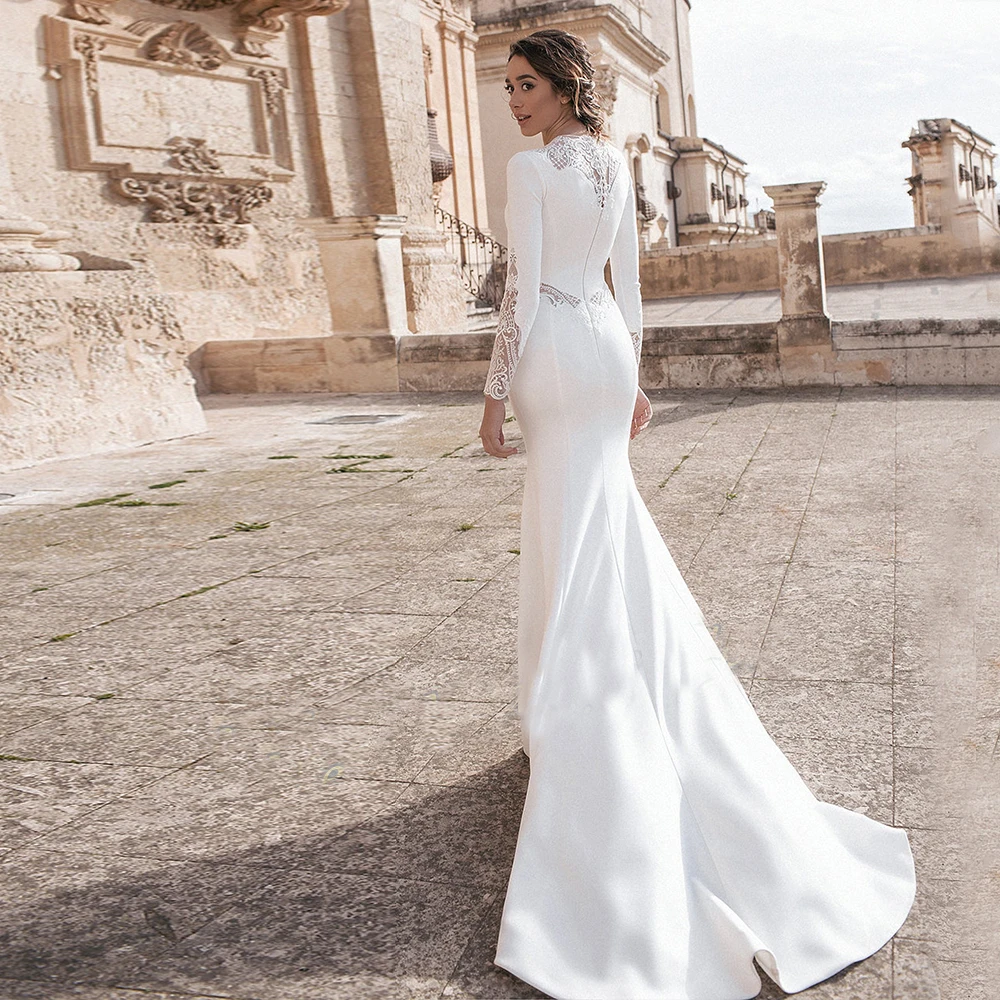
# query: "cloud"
829 90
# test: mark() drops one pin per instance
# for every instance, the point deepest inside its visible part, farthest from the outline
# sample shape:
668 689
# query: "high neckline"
568 135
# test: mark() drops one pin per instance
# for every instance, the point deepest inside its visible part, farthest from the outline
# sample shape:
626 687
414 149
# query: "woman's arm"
524 268
625 271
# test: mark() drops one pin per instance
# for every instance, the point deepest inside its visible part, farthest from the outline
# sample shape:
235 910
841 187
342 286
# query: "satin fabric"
665 840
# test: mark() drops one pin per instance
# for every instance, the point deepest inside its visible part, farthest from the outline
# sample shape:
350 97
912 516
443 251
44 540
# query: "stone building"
691 190
953 185
233 192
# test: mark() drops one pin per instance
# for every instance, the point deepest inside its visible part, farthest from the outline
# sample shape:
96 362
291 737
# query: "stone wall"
166 157
872 352
751 266
229 177
260 279
902 255
850 259
90 361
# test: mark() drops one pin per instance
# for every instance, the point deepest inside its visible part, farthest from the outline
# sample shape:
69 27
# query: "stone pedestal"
805 343
363 264
435 296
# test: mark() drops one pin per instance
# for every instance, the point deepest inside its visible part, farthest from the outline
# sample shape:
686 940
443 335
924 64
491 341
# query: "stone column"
362 259
805 344
388 68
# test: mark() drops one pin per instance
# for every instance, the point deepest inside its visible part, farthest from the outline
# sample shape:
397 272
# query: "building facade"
690 190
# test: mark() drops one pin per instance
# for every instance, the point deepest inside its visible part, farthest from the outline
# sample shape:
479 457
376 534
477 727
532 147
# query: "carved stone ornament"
108 80
186 44
274 86
170 199
89 46
256 22
606 85
193 156
91 11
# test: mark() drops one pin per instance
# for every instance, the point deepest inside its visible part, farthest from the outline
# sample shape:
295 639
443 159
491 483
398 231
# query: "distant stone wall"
714 268
849 259
871 352
90 361
903 255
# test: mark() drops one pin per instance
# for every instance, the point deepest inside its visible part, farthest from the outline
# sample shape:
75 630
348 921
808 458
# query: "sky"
807 90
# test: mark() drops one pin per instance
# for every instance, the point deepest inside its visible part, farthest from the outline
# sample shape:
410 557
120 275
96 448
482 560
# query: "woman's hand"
491 429
641 414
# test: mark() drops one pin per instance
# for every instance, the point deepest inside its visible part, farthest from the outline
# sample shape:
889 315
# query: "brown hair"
564 61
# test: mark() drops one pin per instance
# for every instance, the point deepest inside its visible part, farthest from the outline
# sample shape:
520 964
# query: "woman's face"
531 97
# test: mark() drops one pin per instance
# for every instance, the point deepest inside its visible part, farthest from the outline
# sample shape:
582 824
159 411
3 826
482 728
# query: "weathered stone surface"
315 720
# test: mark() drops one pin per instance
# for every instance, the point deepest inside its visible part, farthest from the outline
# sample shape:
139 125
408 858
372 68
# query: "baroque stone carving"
88 46
91 11
606 85
107 88
196 4
256 21
273 84
170 199
186 44
193 155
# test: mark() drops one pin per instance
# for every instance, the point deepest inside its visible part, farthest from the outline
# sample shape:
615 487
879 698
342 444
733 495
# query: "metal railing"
482 260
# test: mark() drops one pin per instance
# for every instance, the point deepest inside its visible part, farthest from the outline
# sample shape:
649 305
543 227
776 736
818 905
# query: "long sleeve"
625 271
525 188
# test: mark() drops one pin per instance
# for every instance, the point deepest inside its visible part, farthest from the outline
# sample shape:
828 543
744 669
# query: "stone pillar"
363 262
435 295
26 245
805 343
388 68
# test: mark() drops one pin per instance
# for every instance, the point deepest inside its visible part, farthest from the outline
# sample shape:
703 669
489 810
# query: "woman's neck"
571 127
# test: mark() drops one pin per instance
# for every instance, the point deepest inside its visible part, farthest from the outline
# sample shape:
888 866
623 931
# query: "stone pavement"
258 733
976 297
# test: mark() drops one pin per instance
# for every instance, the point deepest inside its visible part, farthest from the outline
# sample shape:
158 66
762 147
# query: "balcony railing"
482 260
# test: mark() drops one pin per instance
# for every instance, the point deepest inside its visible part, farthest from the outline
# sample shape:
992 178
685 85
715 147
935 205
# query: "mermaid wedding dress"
665 840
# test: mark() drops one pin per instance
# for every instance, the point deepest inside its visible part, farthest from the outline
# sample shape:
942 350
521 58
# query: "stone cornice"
500 31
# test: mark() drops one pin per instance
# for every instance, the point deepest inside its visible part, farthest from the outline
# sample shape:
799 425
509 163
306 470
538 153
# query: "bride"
666 842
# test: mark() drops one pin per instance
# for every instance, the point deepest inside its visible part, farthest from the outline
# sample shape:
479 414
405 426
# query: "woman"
665 841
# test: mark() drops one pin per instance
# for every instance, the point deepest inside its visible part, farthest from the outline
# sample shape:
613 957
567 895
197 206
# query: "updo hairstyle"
564 61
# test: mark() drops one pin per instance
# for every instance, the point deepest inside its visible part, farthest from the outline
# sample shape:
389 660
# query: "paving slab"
258 731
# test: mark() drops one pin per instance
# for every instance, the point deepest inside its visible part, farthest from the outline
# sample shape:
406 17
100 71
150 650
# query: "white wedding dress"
665 840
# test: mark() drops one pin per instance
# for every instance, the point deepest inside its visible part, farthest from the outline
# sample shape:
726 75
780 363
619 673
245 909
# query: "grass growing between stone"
100 500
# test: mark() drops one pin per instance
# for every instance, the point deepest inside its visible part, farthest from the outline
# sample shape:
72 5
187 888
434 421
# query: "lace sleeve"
625 270
524 267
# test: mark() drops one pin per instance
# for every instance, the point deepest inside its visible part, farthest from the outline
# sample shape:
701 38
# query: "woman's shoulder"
526 165
524 156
